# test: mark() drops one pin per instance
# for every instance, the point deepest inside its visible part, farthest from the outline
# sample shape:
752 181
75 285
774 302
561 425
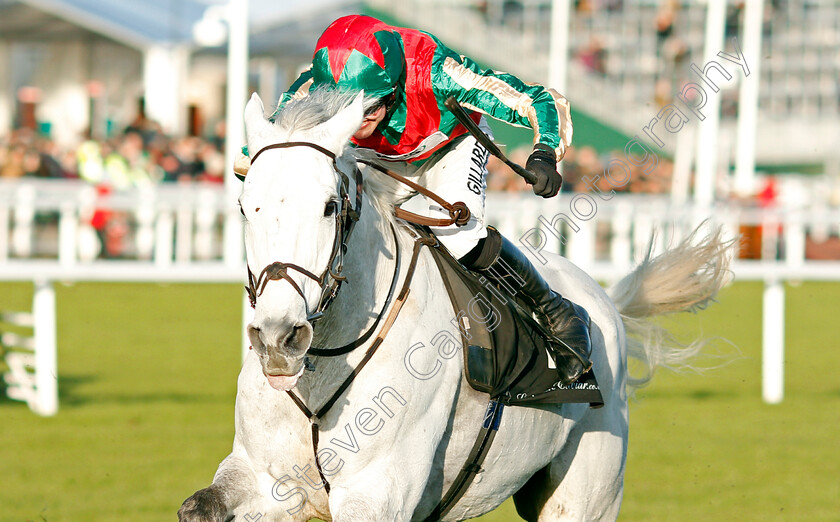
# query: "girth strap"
481 446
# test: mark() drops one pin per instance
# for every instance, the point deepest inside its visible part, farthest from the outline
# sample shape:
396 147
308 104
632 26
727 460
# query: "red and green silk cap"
357 53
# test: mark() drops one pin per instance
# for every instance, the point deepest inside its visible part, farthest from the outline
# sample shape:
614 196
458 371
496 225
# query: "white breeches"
457 173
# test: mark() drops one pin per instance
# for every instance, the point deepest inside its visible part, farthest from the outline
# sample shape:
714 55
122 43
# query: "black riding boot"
569 323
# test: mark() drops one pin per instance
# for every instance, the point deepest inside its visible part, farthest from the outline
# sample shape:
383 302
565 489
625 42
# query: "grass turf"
147 377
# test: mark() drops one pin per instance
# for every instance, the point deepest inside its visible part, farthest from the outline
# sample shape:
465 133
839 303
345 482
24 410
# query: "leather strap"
472 467
289 144
459 214
419 243
484 439
345 221
349 347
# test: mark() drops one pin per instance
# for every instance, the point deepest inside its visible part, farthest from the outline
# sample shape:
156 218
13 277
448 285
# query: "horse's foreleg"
585 481
232 486
377 494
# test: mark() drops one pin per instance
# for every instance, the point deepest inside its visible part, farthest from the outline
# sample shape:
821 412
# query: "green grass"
706 447
148 377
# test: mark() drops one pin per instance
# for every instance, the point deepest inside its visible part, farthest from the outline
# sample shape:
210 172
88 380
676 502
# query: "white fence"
175 233
165 224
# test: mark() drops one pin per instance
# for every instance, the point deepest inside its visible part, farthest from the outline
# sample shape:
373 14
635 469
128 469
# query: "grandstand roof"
136 24
275 25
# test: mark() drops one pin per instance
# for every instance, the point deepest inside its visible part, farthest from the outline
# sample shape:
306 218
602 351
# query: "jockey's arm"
507 98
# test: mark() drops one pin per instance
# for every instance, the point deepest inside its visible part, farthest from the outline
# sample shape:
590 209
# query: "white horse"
395 439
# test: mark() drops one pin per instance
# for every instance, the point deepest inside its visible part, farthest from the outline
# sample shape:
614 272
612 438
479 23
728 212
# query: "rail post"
773 342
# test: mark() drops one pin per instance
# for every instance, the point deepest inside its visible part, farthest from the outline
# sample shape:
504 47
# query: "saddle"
505 349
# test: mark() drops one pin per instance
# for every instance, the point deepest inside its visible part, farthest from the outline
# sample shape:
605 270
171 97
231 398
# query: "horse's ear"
256 124
341 127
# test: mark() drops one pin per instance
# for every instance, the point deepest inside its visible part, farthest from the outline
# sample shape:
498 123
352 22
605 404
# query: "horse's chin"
284 382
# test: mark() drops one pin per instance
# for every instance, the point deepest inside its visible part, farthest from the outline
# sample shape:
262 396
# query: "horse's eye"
330 209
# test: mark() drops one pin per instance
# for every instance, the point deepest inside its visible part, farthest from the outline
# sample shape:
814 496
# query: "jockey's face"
370 122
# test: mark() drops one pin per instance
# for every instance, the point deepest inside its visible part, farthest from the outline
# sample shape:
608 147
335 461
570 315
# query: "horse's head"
297 210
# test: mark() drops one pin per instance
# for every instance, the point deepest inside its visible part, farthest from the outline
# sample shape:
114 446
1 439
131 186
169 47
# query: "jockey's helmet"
356 53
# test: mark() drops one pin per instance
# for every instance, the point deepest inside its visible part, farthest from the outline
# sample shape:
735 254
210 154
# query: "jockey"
406 76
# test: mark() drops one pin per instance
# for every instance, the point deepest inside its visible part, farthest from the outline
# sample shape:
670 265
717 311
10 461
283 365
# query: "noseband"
330 280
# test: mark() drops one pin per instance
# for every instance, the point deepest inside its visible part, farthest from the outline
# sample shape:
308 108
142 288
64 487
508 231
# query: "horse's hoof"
203 506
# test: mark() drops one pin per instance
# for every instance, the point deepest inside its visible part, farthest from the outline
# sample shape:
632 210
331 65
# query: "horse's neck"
369 267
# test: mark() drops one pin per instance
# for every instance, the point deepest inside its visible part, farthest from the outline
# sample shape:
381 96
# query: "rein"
349 347
459 214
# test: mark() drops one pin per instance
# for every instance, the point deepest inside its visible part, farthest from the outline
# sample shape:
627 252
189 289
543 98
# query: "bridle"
330 279
330 282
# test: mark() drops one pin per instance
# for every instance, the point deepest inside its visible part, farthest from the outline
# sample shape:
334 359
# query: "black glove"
543 163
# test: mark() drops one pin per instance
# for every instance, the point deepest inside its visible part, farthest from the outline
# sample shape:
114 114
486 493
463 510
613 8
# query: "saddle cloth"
505 352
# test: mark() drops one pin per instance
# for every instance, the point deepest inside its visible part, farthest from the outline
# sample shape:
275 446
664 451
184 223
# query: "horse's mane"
319 106
384 192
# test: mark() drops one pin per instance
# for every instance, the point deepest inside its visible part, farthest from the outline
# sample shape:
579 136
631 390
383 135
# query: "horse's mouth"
282 382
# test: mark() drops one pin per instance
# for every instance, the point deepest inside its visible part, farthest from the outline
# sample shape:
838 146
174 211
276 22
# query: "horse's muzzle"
277 343
284 382
281 353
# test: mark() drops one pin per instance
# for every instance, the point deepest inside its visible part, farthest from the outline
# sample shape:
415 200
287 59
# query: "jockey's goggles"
373 109
386 101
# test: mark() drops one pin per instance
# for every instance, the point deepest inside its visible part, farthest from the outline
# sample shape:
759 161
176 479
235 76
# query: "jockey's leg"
460 175
500 259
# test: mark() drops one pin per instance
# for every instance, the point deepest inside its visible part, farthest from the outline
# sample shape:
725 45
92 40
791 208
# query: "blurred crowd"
583 171
673 52
141 155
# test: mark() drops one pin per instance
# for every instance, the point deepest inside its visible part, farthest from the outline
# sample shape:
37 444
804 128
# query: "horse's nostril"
298 337
293 338
295 333
254 336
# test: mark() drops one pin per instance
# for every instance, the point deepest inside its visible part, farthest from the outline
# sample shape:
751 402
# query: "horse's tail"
684 278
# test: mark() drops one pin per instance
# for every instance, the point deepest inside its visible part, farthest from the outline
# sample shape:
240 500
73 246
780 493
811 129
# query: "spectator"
594 56
128 161
140 156
664 22
11 161
571 170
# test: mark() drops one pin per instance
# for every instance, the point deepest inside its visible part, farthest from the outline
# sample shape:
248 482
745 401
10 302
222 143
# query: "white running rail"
172 233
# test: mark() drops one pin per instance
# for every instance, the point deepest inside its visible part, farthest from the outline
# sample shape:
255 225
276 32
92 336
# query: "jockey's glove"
543 163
